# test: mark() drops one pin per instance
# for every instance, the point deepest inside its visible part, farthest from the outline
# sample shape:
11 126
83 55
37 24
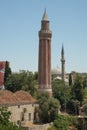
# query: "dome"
19 97
24 96
56 71
6 97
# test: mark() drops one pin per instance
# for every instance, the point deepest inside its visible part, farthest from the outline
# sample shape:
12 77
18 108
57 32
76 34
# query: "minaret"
44 65
62 64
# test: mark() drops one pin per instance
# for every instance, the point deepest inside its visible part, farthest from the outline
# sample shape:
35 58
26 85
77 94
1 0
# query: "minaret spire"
62 64
45 17
62 49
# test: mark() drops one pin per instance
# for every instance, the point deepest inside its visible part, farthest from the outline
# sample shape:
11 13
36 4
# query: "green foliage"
24 80
9 126
78 90
72 120
73 106
61 92
78 95
85 109
70 80
7 71
64 122
4 115
13 83
85 82
71 97
53 108
48 107
61 123
5 124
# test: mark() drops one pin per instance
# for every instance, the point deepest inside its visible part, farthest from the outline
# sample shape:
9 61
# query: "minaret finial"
45 10
45 17
62 52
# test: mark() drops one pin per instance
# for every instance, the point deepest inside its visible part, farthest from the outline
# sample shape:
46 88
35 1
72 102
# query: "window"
18 106
22 116
32 105
29 116
19 122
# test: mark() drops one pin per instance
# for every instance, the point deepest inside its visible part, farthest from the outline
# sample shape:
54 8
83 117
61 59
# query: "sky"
20 21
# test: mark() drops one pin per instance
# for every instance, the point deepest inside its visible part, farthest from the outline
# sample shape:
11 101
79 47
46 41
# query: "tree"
13 83
24 80
85 109
78 90
84 103
54 107
47 105
5 123
85 82
64 122
4 115
73 106
7 71
10 126
61 123
61 92
70 79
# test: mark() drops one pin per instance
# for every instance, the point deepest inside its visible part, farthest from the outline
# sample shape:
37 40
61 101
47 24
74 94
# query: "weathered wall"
39 127
16 112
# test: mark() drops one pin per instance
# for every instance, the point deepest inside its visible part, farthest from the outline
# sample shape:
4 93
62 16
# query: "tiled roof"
1 78
19 97
2 65
24 96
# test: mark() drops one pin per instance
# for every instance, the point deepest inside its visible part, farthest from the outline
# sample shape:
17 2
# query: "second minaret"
62 64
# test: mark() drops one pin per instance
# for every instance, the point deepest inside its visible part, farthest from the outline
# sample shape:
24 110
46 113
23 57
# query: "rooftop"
19 97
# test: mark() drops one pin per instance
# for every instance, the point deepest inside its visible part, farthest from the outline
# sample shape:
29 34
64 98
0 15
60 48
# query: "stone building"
21 105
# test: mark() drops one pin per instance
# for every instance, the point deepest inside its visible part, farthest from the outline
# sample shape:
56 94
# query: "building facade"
21 105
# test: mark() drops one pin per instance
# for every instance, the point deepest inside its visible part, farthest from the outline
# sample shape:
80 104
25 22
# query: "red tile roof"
1 78
19 97
2 65
24 96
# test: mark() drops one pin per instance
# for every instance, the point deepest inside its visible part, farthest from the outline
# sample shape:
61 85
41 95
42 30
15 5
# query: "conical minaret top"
45 17
45 27
62 52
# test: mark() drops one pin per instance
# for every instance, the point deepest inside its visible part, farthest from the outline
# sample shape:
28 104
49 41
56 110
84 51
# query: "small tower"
62 64
44 63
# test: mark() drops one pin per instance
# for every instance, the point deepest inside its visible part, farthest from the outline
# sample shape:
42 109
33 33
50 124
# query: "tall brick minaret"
62 64
44 65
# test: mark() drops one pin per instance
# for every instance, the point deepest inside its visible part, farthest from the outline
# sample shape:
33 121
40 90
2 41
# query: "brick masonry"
44 65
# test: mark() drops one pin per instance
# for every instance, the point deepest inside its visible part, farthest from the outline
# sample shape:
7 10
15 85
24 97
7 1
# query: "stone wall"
38 127
18 110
